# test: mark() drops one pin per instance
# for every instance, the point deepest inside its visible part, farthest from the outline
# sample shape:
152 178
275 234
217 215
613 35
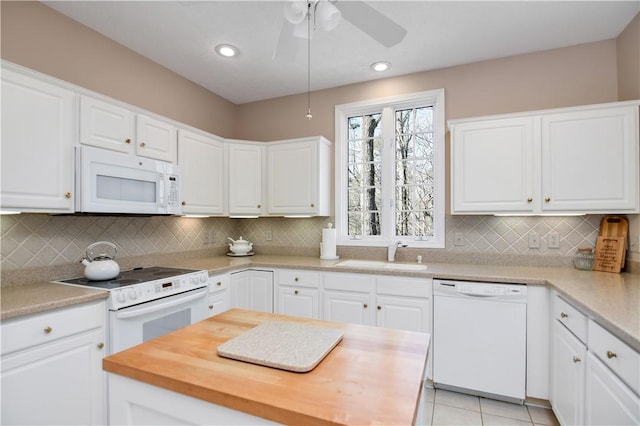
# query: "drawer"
297 277
572 318
410 287
360 283
218 283
615 354
22 333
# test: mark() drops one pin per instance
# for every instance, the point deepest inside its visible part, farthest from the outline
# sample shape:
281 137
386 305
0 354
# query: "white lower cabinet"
297 293
219 298
252 289
348 298
595 377
52 367
567 379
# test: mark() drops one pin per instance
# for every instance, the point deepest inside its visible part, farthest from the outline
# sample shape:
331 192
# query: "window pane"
355 223
372 223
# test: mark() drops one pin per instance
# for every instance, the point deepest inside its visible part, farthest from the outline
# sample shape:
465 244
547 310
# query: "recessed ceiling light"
227 50
380 66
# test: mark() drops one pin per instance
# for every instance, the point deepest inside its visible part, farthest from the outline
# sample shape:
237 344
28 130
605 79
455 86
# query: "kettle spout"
85 261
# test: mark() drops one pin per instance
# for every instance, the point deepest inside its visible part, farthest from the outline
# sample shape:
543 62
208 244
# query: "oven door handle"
143 311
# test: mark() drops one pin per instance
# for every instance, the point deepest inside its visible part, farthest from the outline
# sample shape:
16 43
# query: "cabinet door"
403 313
292 176
608 400
493 166
155 139
56 383
252 290
568 359
299 301
105 125
590 160
37 145
352 308
245 173
201 161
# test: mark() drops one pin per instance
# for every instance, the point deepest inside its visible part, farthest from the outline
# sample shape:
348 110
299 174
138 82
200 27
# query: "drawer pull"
379 307
365 306
219 283
576 359
48 330
296 279
127 140
529 200
563 315
100 345
210 306
295 292
611 354
547 199
142 144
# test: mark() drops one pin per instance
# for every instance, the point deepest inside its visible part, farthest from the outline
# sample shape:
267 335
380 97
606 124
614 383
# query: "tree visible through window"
393 170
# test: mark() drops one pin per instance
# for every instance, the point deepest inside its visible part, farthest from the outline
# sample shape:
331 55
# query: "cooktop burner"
130 277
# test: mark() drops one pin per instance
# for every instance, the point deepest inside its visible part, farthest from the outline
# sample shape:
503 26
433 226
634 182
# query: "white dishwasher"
480 338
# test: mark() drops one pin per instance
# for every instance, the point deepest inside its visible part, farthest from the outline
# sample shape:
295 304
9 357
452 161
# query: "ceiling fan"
326 15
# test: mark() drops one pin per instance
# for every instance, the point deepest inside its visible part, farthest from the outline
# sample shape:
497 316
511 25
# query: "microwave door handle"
162 192
143 311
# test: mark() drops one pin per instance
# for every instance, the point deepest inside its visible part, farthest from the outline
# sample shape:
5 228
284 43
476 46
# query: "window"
390 171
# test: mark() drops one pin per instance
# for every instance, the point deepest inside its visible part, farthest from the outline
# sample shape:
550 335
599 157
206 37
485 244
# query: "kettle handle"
115 249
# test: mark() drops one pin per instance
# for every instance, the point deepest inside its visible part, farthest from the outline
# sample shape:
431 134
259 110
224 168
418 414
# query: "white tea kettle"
99 262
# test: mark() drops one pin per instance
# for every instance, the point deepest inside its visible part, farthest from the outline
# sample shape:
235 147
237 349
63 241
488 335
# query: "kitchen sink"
375 264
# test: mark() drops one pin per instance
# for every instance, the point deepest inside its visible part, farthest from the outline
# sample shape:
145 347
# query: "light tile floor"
441 407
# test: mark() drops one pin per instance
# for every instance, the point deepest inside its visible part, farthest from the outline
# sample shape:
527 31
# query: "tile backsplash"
37 240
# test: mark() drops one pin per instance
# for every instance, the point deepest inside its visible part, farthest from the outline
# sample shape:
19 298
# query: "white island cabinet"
37 144
299 177
52 367
570 160
201 161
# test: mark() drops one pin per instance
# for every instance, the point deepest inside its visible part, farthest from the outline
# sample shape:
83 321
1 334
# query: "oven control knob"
194 279
120 297
132 294
203 278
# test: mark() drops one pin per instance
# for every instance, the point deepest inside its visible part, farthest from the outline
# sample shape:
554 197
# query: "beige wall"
628 56
571 76
42 39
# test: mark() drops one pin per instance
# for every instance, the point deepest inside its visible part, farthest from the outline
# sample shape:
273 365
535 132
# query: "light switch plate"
534 240
458 239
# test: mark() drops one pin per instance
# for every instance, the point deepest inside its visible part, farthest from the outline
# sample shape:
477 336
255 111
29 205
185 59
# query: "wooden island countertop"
373 376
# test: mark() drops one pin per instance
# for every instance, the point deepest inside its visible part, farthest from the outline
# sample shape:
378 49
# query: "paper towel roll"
328 250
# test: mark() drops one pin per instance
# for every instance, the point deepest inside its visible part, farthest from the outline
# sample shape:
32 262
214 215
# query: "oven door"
137 324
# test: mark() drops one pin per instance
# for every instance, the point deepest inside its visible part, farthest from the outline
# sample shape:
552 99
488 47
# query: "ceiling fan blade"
287 47
371 22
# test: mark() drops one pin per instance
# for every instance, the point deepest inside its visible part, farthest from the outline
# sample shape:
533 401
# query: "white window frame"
414 100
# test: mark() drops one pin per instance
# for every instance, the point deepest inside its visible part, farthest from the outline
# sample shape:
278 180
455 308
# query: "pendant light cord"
309 116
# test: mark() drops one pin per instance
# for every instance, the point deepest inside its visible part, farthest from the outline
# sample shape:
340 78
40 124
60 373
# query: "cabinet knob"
379 307
295 292
529 200
365 306
142 144
296 279
184 203
611 354
210 306
219 283
547 199
100 345
48 329
563 315
127 140
312 205
259 206
576 359
67 195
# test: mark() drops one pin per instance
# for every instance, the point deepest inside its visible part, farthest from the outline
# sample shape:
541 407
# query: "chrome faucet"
391 253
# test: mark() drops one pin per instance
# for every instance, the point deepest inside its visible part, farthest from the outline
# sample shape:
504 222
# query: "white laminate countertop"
613 300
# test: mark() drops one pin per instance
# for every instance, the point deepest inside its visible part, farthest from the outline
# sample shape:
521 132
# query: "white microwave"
113 182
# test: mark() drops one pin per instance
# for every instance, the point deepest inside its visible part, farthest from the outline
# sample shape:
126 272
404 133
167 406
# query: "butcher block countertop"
373 376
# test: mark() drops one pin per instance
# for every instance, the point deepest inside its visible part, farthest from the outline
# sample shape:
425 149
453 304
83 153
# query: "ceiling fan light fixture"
327 15
380 66
227 50
295 11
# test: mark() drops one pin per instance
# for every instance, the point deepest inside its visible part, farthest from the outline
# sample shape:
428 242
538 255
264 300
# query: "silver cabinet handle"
576 359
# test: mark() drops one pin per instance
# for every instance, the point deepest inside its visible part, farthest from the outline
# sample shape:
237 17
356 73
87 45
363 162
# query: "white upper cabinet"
106 125
299 177
245 173
570 160
590 160
201 161
37 145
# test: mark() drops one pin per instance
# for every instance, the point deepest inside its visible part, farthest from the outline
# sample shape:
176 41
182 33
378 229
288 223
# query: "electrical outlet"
553 240
458 239
534 240
268 235
634 243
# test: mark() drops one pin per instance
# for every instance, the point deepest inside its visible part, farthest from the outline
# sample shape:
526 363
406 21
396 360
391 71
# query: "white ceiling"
181 35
